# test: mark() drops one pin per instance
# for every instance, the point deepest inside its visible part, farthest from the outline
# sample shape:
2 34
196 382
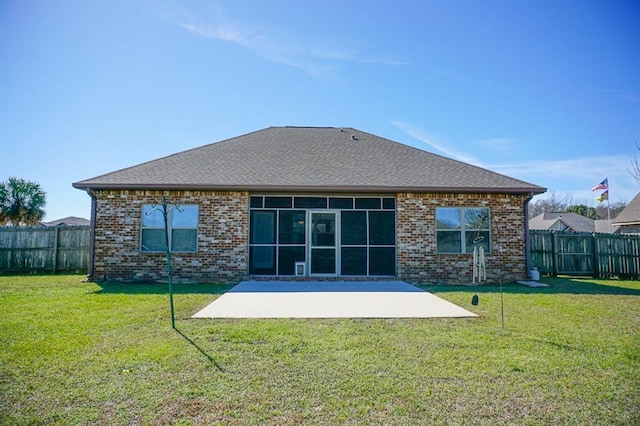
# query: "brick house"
322 203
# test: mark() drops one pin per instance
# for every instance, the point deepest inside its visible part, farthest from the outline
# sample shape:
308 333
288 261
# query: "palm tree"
21 202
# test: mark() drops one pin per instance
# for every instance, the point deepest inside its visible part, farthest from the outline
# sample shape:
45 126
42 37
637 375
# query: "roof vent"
353 138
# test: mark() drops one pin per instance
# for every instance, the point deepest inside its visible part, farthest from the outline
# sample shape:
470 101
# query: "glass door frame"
311 246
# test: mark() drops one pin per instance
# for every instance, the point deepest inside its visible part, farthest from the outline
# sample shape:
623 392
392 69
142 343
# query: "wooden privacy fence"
44 249
66 248
596 255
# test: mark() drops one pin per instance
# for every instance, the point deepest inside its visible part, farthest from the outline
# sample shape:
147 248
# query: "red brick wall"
222 237
418 261
223 232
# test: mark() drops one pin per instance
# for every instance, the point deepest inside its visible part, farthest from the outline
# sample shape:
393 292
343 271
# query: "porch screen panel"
291 240
262 239
341 203
263 227
354 261
292 227
287 258
323 261
353 229
382 228
263 260
382 261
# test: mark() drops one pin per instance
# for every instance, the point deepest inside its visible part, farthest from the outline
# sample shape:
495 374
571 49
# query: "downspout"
527 239
92 235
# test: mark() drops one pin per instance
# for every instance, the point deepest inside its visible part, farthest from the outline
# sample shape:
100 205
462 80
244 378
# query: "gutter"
308 188
527 237
92 235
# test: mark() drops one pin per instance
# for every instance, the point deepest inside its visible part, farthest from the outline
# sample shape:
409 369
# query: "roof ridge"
308 127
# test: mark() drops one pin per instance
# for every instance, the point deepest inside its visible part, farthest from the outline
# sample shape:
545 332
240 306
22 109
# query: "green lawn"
83 353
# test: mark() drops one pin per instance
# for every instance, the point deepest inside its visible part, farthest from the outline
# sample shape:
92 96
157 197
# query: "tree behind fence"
596 255
44 249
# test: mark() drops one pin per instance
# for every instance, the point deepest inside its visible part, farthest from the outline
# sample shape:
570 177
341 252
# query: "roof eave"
305 188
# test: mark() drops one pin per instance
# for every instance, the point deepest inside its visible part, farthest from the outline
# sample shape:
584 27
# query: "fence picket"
44 249
598 255
35 249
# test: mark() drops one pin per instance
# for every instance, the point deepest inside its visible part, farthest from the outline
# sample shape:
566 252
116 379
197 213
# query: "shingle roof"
602 226
309 159
69 221
564 221
630 214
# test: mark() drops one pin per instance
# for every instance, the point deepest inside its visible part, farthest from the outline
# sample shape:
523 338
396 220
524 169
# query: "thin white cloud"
587 168
625 96
498 144
319 58
577 176
244 37
437 143
563 176
268 44
382 60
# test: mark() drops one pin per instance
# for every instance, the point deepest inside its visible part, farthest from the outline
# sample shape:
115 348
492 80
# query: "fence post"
554 251
56 235
595 255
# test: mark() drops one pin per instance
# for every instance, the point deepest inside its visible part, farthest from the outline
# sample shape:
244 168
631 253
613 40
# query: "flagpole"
605 195
609 204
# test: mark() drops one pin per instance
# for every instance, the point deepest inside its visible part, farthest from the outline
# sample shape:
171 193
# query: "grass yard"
83 353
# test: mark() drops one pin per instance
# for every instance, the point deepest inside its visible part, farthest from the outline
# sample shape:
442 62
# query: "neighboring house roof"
630 215
68 221
309 159
562 221
602 226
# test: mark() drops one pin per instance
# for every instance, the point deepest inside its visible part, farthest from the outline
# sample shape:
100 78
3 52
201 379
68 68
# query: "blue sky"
547 91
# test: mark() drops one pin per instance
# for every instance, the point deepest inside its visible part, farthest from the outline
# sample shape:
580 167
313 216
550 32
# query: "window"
182 224
459 230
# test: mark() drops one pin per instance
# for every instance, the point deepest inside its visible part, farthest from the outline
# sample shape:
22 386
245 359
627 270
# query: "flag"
602 185
603 196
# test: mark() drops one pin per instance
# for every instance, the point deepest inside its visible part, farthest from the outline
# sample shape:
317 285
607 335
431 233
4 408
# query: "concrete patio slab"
329 299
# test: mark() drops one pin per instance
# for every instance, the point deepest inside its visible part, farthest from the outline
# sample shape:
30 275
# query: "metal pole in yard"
165 214
498 236
166 236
